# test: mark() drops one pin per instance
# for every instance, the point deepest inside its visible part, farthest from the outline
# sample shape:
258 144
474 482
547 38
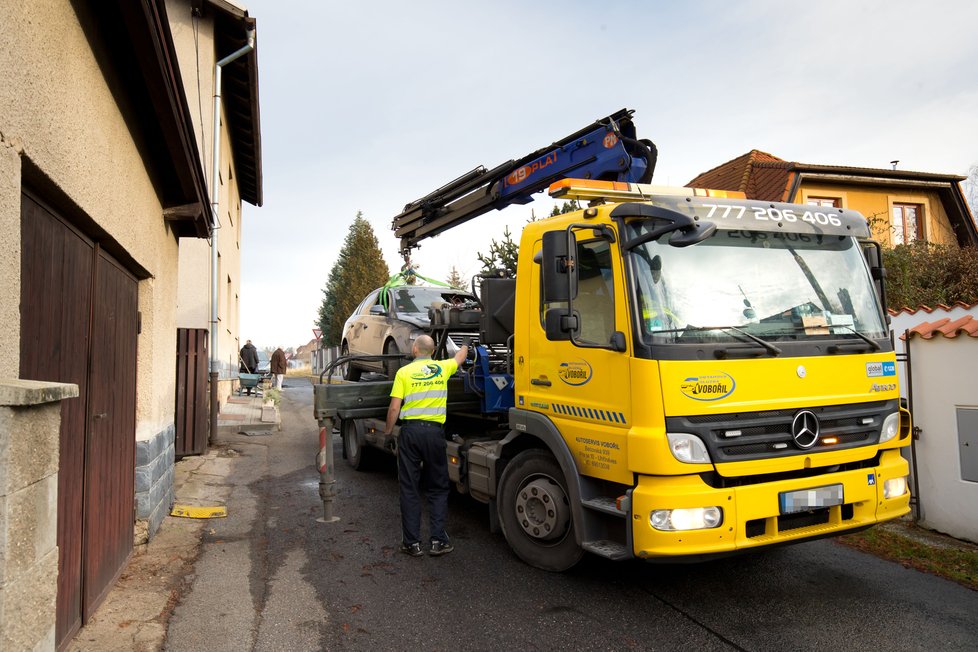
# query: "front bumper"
752 515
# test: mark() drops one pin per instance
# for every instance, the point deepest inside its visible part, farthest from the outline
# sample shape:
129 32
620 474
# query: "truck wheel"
391 365
535 513
354 451
350 372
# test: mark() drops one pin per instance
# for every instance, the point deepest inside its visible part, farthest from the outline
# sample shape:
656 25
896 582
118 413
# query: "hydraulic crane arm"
607 150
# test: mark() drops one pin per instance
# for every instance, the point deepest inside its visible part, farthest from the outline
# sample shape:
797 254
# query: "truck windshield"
740 286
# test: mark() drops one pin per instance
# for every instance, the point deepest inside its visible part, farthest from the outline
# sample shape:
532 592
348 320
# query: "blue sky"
367 106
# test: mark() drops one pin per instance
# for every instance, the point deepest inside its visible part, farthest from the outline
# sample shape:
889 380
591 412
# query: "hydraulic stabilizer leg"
327 472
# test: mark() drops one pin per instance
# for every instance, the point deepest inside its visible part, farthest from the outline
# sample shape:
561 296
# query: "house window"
908 224
830 202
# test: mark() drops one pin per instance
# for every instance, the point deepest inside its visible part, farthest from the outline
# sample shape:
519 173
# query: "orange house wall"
876 204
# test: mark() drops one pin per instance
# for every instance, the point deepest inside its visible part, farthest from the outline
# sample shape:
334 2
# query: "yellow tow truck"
674 373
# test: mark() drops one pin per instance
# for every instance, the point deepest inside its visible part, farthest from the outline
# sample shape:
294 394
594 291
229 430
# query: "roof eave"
135 50
240 96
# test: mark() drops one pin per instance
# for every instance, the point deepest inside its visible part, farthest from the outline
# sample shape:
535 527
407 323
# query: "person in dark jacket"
248 359
278 365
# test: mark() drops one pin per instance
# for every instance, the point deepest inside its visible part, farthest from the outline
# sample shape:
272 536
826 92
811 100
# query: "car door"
358 329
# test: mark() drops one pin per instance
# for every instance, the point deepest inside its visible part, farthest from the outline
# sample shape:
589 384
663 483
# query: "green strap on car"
401 279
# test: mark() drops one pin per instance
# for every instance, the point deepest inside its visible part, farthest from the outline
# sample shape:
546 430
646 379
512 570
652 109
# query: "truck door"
585 389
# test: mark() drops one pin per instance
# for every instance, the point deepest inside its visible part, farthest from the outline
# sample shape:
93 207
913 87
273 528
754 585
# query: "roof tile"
966 325
928 309
735 174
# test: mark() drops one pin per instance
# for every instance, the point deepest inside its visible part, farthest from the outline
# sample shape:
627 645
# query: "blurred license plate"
806 499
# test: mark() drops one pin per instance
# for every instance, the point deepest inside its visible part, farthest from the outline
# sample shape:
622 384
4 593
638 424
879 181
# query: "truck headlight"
891 427
695 518
895 487
688 448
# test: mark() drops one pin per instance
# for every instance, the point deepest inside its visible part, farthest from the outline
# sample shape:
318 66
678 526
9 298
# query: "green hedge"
928 274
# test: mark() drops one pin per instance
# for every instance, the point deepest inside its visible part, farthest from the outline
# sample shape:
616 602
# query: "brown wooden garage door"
79 325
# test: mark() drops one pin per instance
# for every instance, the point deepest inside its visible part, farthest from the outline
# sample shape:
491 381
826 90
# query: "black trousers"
422 461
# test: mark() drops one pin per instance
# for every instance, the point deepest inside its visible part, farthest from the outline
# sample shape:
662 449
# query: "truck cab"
710 374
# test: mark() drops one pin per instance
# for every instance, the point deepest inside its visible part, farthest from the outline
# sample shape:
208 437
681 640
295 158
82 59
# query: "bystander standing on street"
278 367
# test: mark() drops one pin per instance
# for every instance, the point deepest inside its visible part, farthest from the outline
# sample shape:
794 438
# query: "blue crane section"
607 150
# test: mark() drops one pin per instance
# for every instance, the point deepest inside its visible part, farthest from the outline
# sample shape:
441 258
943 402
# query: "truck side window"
595 301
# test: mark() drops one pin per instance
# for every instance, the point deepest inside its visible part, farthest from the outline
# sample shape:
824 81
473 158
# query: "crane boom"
605 150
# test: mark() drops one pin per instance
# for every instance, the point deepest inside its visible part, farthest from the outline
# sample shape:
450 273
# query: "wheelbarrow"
249 381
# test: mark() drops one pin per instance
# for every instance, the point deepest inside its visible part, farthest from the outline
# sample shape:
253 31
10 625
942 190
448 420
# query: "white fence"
322 357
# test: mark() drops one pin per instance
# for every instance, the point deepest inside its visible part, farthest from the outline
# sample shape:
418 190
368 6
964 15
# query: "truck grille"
736 437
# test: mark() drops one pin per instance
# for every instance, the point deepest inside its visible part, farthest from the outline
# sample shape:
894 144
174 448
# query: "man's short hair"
424 345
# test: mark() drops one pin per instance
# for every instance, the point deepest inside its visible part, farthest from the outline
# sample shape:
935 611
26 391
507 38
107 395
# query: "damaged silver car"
389 320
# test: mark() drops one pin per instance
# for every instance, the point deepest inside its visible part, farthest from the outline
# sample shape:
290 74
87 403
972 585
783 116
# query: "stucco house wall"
60 120
943 381
876 205
194 40
903 320
68 133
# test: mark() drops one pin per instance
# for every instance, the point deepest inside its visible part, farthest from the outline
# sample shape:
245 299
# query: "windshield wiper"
770 348
835 348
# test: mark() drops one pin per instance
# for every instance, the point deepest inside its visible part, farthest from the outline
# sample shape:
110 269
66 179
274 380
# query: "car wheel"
535 512
391 365
350 372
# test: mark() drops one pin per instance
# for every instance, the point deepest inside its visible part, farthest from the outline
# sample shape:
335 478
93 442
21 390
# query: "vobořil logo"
575 373
710 387
427 372
880 369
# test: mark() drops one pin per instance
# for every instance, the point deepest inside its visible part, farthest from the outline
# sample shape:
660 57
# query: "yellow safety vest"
654 319
423 387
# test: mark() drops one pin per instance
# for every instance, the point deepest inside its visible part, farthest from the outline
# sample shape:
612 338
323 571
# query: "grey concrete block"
28 527
156 519
144 479
29 441
143 508
14 391
27 606
148 450
154 478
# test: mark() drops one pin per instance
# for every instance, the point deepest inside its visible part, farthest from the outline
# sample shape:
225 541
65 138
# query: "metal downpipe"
215 223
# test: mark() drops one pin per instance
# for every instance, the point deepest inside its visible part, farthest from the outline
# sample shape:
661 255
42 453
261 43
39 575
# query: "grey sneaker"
414 549
439 548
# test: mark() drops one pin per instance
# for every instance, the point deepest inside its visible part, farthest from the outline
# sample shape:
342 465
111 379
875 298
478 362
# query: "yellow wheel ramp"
196 511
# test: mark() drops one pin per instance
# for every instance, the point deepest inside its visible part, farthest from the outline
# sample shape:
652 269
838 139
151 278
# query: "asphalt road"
271 577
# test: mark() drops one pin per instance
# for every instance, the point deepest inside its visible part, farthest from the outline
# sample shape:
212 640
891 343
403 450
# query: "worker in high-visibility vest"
420 397
657 317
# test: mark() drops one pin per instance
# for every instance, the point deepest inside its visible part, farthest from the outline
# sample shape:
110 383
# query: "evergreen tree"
455 279
566 207
502 255
359 269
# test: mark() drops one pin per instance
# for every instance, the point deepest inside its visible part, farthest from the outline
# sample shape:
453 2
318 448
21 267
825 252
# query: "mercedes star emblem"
804 429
